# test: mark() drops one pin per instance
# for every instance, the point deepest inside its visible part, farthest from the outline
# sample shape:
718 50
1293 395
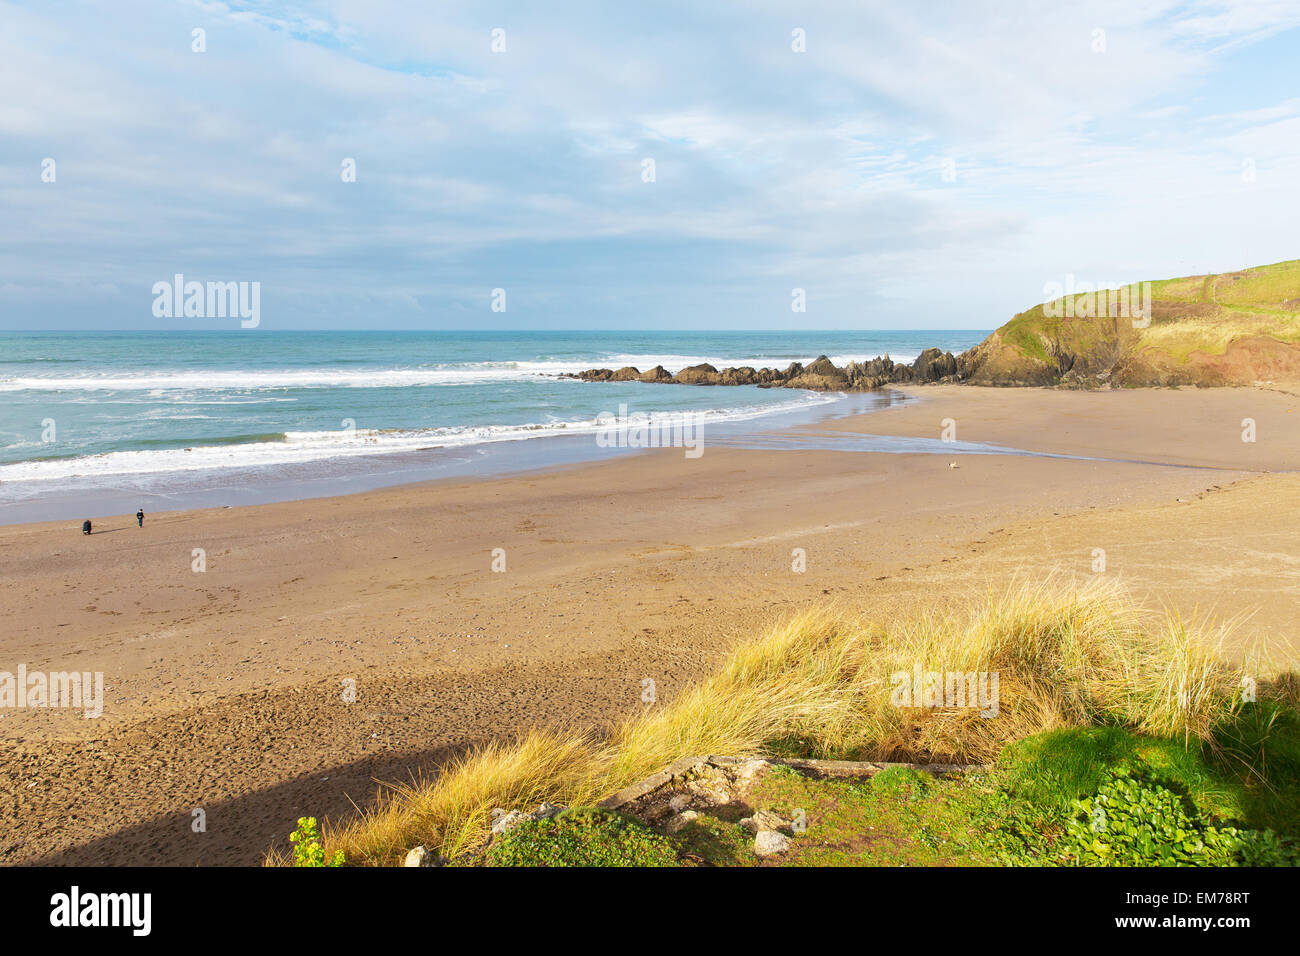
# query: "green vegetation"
1084 797
1088 682
1132 822
1106 796
1195 322
307 849
582 837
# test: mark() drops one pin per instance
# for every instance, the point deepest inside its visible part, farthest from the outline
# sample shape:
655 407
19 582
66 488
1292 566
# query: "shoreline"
240 486
222 688
830 426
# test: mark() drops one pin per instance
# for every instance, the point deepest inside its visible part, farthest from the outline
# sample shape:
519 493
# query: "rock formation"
821 375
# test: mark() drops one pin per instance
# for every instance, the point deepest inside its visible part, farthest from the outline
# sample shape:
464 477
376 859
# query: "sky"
905 165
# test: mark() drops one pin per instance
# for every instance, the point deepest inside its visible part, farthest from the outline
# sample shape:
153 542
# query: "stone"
745 771
764 820
933 365
507 822
703 374
419 856
681 820
770 843
822 366
680 802
744 375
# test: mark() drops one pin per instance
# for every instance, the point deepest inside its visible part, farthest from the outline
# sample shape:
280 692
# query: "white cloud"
825 166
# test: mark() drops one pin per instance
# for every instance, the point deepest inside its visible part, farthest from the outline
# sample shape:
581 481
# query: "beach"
226 689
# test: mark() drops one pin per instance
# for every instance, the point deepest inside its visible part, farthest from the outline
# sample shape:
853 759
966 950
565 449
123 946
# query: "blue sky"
919 165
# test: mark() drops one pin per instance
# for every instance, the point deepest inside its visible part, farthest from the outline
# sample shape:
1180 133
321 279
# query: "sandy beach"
224 689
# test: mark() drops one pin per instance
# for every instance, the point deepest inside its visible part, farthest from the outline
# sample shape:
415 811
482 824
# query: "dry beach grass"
819 685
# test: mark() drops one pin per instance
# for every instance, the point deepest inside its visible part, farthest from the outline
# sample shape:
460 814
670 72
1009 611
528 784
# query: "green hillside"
1234 328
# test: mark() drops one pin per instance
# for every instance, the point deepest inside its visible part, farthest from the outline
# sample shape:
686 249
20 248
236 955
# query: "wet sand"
224 688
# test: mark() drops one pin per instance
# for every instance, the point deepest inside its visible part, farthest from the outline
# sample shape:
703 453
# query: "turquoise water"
89 416
131 403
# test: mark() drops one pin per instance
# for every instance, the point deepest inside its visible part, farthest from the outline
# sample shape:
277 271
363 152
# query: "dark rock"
738 376
819 375
932 365
822 366
704 374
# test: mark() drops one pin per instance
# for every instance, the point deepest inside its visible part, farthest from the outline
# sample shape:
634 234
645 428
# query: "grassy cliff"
1234 328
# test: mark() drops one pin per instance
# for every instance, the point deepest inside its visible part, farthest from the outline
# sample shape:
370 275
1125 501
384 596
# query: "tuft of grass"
819 685
904 782
582 837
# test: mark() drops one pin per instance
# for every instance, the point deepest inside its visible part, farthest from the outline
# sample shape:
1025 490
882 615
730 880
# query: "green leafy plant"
582 837
307 849
1134 822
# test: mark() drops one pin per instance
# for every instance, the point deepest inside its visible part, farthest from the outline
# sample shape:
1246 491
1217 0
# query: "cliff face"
1234 328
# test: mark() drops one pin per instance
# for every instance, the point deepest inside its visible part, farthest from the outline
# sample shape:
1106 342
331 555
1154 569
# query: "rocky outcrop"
505 822
704 374
703 790
820 375
934 366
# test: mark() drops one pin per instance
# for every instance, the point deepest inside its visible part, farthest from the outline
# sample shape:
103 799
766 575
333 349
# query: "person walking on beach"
85 526
139 517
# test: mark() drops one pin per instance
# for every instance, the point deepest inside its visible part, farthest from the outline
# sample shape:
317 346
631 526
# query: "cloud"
939 162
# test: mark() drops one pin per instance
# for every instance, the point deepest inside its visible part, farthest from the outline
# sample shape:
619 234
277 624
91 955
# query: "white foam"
299 447
254 380
247 380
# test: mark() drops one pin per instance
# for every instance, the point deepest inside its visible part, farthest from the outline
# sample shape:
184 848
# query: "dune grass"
819 685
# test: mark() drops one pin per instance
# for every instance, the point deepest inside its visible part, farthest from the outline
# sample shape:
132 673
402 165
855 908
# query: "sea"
100 422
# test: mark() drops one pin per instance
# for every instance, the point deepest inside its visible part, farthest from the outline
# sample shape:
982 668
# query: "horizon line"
488 331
